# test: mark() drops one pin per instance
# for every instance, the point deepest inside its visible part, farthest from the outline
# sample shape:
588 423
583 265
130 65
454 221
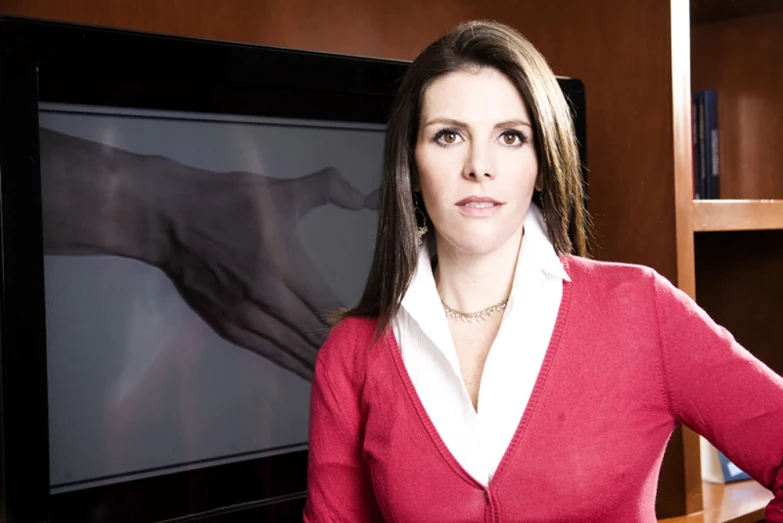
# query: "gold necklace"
471 317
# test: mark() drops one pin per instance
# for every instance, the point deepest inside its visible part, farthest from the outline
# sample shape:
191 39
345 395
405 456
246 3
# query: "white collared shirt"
478 439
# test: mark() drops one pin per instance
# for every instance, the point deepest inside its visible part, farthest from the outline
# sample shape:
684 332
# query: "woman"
592 364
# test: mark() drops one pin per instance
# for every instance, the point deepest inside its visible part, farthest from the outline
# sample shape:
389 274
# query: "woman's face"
476 160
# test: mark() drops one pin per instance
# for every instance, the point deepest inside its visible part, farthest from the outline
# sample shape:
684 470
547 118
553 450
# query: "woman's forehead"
473 96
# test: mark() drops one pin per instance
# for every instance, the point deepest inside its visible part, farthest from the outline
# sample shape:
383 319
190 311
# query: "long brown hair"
470 45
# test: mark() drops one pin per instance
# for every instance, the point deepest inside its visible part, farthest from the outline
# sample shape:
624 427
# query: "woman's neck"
470 283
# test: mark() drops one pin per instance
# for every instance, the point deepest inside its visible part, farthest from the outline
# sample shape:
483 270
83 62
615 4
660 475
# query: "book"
706 147
716 467
695 117
712 146
701 138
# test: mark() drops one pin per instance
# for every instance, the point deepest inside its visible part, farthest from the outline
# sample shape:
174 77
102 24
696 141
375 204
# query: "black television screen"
178 216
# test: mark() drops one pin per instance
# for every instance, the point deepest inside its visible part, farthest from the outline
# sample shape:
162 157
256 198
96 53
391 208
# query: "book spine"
703 178
695 145
711 133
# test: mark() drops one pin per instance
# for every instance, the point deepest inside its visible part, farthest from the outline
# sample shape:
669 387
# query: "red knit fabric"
631 357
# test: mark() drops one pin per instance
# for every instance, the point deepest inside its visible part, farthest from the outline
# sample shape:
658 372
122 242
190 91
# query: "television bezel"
66 63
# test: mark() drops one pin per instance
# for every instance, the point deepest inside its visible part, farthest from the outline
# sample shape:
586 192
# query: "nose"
478 163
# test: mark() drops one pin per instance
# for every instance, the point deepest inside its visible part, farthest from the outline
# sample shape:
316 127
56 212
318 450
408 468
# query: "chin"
477 242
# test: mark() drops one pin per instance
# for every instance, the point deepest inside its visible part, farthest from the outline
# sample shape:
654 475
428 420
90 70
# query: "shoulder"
347 346
353 328
601 275
633 281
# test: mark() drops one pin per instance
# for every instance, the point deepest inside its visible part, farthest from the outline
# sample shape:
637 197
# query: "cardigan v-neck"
528 410
633 358
478 438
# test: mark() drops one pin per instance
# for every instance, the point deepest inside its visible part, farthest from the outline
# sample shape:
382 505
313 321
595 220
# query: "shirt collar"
537 256
537 245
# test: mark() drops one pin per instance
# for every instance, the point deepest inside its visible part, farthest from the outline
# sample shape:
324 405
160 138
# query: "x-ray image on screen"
189 262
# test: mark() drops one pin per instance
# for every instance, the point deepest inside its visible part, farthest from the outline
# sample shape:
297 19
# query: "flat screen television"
176 216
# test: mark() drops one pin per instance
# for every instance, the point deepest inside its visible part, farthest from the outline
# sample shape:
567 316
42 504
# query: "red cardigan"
631 356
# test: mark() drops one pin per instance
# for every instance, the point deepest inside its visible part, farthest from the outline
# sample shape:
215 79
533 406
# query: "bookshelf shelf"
741 502
737 215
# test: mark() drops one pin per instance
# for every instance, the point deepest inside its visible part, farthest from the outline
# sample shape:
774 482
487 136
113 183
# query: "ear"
539 183
415 185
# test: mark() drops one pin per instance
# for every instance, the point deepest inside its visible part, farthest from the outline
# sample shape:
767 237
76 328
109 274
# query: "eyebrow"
462 125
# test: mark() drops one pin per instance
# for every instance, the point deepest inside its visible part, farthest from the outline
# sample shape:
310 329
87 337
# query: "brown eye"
446 137
513 138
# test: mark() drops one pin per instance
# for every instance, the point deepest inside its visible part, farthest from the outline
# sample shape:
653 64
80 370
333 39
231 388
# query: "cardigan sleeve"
721 391
338 481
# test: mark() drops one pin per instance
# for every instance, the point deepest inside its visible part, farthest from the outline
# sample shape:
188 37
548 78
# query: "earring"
420 231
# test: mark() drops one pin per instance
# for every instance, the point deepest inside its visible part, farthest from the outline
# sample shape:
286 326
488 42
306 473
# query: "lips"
478 207
479 202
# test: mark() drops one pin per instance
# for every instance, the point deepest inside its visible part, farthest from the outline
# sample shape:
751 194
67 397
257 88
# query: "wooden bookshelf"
742 502
730 249
737 215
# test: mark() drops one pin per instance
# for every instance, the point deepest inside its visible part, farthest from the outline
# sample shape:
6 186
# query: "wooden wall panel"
713 10
341 26
741 59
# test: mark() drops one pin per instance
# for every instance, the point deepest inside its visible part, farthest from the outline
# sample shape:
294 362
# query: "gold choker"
473 317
